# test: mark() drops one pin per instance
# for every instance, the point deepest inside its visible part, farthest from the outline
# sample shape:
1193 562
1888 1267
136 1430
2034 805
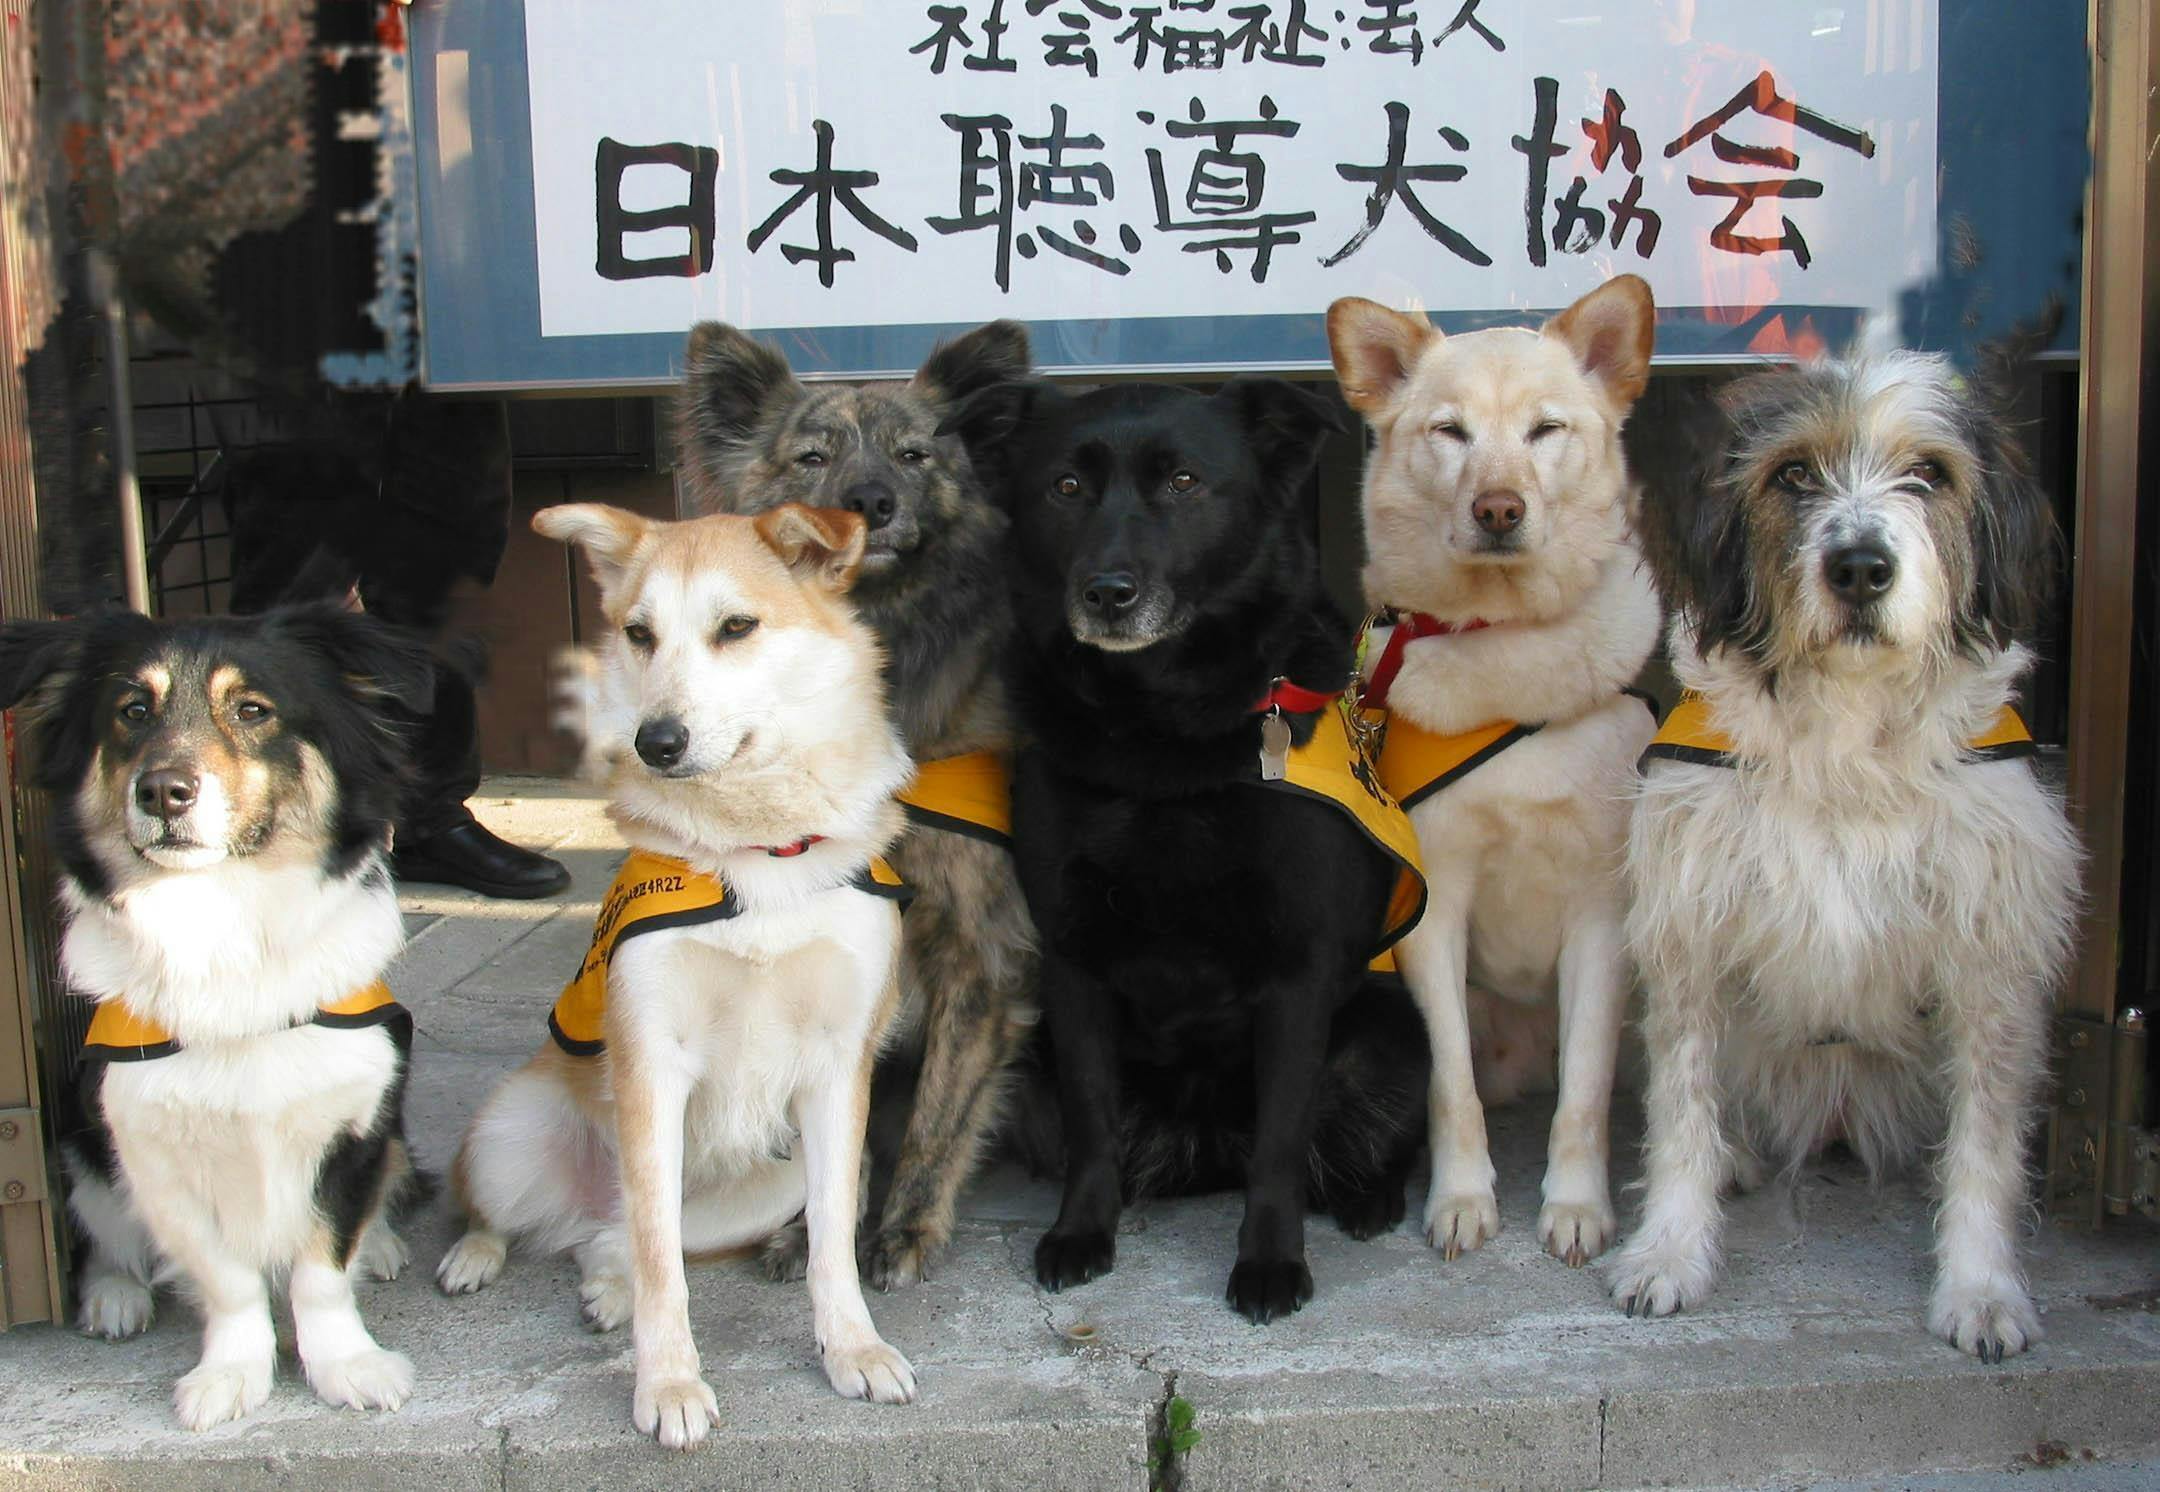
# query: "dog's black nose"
1498 511
874 500
167 792
1112 594
661 743
1858 573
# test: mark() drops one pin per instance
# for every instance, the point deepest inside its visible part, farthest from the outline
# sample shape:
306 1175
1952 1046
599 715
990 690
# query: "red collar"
1294 699
1409 627
789 851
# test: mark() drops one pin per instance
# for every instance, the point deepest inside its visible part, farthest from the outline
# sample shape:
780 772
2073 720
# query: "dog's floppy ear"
2017 546
376 660
1611 331
996 352
729 380
1284 421
1691 522
1374 350
33 654
608 536
821 545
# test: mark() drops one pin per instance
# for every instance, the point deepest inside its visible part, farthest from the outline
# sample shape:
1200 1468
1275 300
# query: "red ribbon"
1409 627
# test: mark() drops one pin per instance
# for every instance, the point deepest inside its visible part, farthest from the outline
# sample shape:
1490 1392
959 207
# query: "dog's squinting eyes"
736 626
1451 430
811 459
1544 428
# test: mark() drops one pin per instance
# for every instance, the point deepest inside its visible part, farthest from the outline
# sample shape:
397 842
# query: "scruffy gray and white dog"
1852 897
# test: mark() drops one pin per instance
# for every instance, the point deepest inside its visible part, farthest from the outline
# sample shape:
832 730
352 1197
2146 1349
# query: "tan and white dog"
1497 513
707 1074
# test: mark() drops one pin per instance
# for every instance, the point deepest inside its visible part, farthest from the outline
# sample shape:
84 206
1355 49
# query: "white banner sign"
822 163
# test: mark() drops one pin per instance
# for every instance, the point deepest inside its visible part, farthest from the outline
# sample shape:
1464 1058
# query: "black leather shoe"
468 855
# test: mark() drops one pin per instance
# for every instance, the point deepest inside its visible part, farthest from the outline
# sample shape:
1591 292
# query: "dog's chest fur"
756 1008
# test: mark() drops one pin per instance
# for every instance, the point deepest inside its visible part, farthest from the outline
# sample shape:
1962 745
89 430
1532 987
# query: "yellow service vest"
652 892
1333 767
118 1034
969 795
1689 736
1415 763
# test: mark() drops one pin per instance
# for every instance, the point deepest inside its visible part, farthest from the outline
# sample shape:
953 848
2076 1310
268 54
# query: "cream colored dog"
707 1075
1497 511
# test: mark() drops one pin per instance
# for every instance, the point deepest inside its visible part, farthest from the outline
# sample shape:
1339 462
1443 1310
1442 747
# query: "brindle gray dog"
753 436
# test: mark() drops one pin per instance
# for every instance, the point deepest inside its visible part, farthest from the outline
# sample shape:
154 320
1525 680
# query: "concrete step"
1501 1369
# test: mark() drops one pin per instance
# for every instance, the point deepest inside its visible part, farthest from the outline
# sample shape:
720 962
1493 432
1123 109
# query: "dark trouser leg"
438 839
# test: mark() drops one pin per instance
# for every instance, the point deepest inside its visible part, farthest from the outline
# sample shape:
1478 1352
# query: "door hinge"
22 1157
2132 1155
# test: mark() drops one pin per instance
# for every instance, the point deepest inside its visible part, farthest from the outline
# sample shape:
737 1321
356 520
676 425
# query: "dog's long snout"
168 792
1498 510
661 743
1111 594
1858 573
874 500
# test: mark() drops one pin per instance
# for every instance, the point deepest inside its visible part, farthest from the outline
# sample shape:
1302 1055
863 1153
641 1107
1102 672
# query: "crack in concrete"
1169 1474
1604 1406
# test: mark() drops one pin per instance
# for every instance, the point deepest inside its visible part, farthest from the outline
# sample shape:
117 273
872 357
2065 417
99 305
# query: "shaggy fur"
933 589
1205 940
223 796
1522 856
732 1088
1854 933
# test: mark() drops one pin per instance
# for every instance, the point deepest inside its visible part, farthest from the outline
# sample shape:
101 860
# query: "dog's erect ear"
821 545
996 352
377 661
1374 350
608 536
1284 421
729 380
1612 331
36 653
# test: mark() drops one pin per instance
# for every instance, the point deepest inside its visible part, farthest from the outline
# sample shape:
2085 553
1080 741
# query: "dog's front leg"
1997 1050
342 1361
859 1363
1290 1040
1082 1243
1461 1210
1576 1221
1671 1261
239 1340
652 1087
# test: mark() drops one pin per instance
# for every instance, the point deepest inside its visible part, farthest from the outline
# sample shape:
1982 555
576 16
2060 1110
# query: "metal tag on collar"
1274 743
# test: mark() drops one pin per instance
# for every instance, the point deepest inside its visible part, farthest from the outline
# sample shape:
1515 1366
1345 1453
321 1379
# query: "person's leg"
438 839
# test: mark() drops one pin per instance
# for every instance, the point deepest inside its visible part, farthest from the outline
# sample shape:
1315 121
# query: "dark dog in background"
1205 941
933 588
223 793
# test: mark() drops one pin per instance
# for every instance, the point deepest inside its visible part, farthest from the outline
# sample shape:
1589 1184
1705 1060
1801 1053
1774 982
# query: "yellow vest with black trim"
969 795
652 892
1415 763
1689 736
1333 767
118 1034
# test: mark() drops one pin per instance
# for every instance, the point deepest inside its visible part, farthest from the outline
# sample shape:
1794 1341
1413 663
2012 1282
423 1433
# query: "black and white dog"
223 792
1206 916
1852 897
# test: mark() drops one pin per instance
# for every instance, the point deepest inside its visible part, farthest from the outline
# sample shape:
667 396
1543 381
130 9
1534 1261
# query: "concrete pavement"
1502 1369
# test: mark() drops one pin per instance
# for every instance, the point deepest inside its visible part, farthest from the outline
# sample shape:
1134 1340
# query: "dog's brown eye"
252 711
1068 486
1793 474
638 635
737 626
913 457
1930 472
810 458
135 712
1183 481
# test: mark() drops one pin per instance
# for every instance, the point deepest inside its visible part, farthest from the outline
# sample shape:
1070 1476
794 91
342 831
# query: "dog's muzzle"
1115 611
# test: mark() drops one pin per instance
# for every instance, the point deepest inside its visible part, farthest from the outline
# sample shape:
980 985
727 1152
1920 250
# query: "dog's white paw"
1657 1279
382 1254
374 1379
675 1411
605 1299
116 1306
873 1371
1575 1232
471 1263
1457 1222
1991 1322
219 1391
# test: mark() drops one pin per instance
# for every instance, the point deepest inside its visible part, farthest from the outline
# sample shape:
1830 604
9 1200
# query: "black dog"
1205 940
